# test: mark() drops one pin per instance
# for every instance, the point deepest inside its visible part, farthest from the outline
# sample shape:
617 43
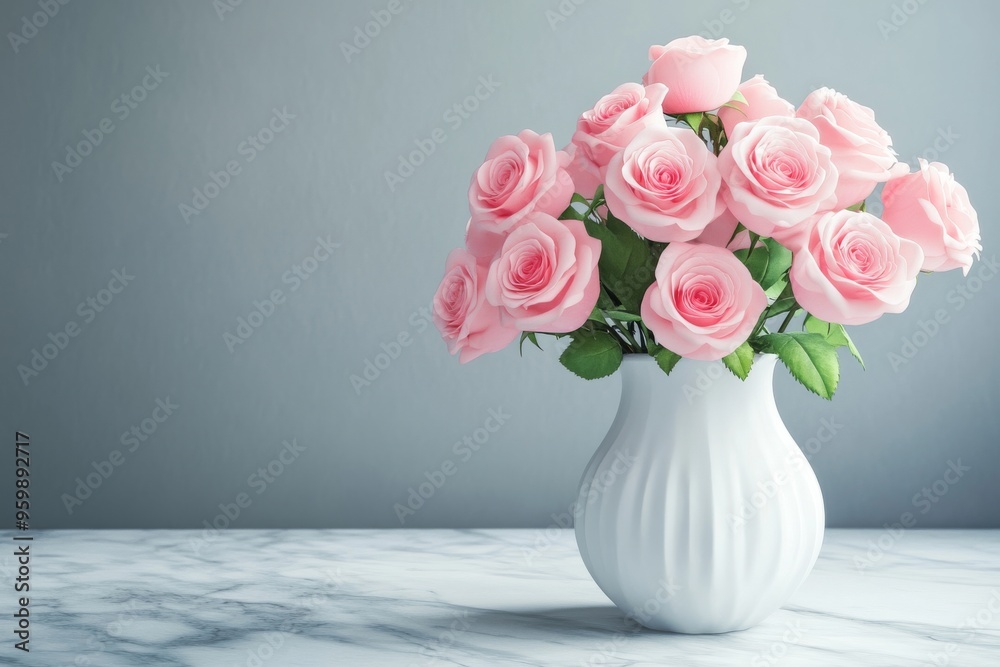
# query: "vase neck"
693 381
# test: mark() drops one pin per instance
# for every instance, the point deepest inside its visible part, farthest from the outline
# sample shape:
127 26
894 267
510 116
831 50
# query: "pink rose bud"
700 74
851 268
704 304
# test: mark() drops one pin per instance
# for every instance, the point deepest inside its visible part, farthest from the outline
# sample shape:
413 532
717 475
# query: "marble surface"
475 597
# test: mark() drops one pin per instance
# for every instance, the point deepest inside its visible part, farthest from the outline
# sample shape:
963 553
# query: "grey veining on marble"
475 597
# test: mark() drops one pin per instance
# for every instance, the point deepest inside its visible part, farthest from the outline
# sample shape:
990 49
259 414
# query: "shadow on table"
606 619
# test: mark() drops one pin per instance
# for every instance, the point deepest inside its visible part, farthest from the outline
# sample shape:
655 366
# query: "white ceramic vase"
698 513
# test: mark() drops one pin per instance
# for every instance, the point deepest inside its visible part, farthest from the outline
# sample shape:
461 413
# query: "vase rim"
635 357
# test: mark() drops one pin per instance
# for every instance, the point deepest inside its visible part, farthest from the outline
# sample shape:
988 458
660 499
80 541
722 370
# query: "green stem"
624 330
617 336
788 319
595 203
647 337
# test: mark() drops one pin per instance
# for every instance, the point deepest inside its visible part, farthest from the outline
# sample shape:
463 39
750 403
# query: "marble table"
474 597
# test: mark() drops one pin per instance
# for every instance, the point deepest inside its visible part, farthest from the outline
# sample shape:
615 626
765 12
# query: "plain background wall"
925 72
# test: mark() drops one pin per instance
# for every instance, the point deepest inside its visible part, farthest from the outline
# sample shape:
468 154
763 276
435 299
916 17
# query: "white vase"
698 513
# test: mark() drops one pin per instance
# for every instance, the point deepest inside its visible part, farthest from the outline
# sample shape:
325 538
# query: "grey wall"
162 336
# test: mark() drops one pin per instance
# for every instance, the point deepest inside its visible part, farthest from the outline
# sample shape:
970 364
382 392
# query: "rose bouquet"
695 216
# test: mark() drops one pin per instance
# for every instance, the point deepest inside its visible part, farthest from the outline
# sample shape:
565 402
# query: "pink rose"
861 150
665 184
852 268
700 74
777 175
617 118
762 100
522 174
545 277
467 322
704 304
720 232
585 173
933 210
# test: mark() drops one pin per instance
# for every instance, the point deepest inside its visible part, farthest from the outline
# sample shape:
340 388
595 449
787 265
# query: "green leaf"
622 316
694 120
860 206
835 334
604 301
809 358
740 361
626 265
597 316
527 335
784 303
594 203
739 97
666 359
776 289
779 261
571 214
592 355
758 260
